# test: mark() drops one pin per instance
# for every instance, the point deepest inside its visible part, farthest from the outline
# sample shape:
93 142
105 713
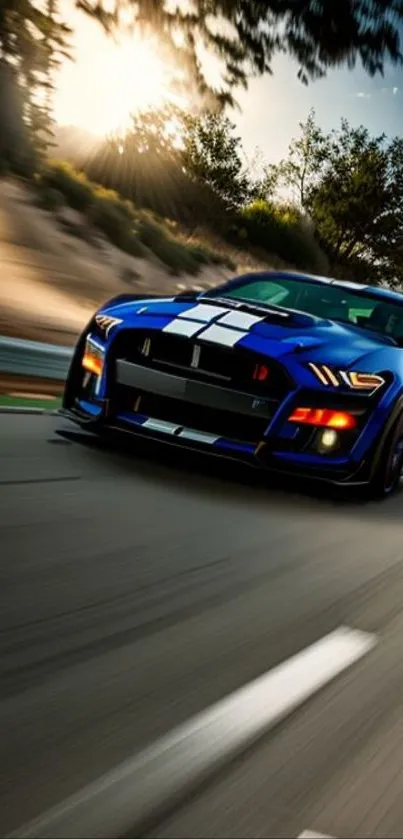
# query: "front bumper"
195 428
261 457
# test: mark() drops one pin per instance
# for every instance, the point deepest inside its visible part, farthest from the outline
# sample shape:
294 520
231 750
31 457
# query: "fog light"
327 440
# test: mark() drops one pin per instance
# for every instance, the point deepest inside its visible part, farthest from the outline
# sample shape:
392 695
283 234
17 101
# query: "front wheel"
386 478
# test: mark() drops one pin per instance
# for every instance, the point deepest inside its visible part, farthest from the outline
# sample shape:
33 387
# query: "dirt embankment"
55 271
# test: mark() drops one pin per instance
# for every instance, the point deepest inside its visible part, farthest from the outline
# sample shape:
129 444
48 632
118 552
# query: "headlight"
105 323
93 357
367 382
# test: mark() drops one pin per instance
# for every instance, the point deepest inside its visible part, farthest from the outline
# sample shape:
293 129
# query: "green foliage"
347 184
280 229
212 155
147 167
51 199
351 185
177 255
207 256
358 204
111 217
200 182
304 165
33 40
243 36
77 190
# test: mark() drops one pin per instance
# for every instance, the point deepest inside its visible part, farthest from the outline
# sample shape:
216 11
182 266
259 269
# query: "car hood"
275 332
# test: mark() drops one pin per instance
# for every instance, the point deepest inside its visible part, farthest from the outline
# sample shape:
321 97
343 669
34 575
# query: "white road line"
123 799
311 834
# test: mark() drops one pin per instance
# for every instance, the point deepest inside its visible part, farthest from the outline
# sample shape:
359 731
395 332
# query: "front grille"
238 427
232 368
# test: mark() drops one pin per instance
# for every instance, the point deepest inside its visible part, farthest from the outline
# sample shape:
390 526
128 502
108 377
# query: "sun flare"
134 79
121 78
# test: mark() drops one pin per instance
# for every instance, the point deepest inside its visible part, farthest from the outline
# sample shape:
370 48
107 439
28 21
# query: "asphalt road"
137 591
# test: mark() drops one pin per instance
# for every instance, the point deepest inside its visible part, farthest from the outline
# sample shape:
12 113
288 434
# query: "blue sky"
273 106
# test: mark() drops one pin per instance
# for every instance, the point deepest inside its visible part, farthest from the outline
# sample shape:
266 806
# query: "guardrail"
32 359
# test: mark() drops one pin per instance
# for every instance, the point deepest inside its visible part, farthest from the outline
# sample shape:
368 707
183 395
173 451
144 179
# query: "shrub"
51 199
179 256
172 253
111 199
75 187
4 167
282 230
208 256
107 214
128 229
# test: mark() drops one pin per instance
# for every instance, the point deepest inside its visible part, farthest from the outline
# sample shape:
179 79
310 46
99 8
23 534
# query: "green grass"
27 402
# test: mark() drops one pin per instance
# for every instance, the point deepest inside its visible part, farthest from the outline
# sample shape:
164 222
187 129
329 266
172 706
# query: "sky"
98 90
273 106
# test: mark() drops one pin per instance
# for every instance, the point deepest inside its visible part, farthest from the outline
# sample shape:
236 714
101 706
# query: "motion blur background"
157 146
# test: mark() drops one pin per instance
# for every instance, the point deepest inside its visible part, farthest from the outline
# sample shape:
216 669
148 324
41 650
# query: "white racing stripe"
203 313
160 425
124 799
182 327
198 436
192 321
240 320
220 335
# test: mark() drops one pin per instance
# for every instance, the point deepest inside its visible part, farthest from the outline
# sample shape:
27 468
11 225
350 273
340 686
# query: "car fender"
393 416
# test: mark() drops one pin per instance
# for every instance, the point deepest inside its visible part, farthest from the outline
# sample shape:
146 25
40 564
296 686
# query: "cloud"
362 95
395 90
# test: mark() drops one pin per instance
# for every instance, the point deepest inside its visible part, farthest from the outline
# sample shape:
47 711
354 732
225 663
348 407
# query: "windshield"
323 301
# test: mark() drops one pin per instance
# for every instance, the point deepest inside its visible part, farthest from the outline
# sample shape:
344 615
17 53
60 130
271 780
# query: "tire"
386 478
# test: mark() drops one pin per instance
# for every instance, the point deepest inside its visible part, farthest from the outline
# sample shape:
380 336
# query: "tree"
169 160
303 167
354 197
32 42
351 186
143 165
52 49
212 154
358 206
148 166
246 34
243 34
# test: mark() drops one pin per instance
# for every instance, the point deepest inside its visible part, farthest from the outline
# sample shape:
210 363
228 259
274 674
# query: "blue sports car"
295 373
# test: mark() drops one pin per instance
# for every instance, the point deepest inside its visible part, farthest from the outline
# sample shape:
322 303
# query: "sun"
111 80
134 79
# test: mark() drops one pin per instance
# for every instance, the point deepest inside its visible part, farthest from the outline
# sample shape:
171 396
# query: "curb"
14 409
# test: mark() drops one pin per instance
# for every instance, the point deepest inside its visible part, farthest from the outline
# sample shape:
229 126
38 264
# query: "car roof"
381 293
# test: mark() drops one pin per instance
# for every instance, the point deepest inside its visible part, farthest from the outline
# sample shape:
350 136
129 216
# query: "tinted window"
323 301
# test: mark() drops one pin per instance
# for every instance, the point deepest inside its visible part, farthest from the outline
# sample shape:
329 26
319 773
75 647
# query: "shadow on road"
204 472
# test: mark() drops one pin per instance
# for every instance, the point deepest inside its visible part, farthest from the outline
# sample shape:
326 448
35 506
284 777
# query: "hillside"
54 273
